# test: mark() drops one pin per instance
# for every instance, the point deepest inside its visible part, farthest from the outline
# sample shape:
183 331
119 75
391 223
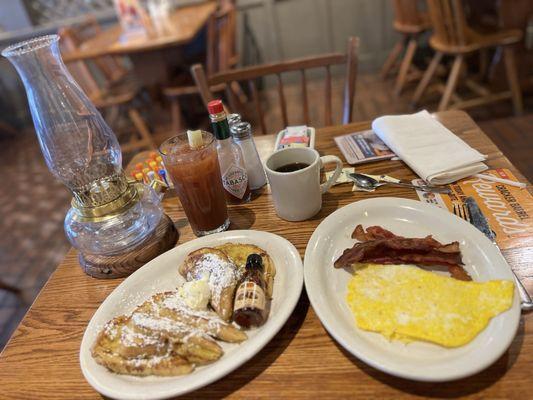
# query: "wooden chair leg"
405 66
113 115
512 78
452 82
175 111
483 63
494 62
9 288
432 67
138 122
391 59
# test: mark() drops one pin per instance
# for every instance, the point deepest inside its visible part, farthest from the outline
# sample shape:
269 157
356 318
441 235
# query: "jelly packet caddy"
295 136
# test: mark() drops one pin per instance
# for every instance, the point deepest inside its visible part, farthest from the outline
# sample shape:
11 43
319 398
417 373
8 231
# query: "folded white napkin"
430 149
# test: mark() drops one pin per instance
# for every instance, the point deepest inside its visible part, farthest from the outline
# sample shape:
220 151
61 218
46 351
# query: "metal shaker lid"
241 130
234 119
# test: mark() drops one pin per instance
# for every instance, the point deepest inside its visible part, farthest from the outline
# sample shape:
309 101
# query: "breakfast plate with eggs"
411 289
192 315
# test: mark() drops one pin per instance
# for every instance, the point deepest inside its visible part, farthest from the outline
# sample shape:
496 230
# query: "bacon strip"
380 246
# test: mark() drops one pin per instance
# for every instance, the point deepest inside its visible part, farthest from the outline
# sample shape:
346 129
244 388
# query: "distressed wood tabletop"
302 361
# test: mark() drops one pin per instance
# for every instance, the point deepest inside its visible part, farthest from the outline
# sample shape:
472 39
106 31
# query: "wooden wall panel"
294 28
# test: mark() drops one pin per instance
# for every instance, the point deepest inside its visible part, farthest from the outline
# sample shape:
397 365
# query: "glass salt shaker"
242 135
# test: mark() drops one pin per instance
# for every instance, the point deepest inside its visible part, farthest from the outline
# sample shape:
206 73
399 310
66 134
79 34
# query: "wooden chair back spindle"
251 74
328 120
305 102
221 42
449 22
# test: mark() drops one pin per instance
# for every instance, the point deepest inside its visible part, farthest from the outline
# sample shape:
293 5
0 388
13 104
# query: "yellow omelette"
407 303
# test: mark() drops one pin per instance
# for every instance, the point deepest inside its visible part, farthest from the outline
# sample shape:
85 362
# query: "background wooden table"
154 57
41 360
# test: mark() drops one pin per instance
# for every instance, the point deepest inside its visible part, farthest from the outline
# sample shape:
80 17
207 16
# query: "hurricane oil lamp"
108 214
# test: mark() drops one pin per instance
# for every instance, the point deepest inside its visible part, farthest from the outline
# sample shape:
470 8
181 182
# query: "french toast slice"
162 336
120 336
223 277
170 306
238 254
168 365
185 340
124 349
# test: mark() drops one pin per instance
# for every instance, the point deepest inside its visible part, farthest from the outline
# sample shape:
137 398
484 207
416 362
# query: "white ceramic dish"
161 274
326 288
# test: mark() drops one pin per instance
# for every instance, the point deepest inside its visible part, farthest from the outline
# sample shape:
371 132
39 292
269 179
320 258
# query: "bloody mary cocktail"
195 173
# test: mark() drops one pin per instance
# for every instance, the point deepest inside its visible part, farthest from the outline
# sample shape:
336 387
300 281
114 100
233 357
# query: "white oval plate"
161 274
326 288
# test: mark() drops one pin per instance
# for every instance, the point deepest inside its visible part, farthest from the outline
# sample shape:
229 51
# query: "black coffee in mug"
295 166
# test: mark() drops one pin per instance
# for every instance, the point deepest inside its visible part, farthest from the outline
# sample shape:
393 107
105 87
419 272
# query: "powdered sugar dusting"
174 302
130 338
221 274
176 329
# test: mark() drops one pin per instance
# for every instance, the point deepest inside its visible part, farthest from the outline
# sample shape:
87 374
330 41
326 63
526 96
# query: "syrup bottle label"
250 295
235 181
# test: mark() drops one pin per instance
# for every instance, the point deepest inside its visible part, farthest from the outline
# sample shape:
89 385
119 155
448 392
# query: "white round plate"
161 274
326 288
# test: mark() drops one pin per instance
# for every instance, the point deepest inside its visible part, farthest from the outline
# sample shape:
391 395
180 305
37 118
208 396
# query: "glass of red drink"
195 173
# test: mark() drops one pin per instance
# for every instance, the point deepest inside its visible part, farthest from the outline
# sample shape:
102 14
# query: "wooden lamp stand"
164 238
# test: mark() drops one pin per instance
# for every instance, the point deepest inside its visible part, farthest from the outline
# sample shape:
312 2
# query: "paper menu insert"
508 209
361 147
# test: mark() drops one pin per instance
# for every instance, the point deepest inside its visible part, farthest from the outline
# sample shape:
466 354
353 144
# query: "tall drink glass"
195 173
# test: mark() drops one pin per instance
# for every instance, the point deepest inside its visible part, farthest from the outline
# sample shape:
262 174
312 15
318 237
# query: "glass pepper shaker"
242 135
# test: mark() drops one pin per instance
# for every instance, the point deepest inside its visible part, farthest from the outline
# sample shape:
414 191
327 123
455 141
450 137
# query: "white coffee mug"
297 195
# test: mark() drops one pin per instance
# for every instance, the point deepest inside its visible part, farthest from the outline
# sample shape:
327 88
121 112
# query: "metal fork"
526 304
461 211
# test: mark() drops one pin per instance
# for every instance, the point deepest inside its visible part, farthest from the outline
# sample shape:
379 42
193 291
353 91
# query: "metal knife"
480 222
478 219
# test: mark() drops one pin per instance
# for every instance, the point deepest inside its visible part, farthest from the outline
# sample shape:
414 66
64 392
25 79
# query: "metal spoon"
366 182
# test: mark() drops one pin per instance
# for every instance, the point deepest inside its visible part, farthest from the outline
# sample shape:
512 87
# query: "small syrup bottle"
250 299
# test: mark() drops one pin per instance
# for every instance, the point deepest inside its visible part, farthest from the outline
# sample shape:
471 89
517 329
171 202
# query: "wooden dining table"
302 360
153 57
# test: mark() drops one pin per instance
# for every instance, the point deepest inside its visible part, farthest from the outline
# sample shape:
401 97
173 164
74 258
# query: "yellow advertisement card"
508 209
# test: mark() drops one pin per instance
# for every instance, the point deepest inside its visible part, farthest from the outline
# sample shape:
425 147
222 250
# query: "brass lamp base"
164 238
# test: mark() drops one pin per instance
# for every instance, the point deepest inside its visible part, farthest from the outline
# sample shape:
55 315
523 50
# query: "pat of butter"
196 294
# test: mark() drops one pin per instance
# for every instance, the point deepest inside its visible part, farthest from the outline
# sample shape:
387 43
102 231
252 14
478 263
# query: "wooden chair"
221 56
113 67
107 94
452 36
251 74
410 22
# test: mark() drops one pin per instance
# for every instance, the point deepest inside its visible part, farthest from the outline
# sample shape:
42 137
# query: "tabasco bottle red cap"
215 107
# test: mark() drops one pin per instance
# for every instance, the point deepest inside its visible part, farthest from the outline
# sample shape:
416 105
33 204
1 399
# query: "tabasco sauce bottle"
234 176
